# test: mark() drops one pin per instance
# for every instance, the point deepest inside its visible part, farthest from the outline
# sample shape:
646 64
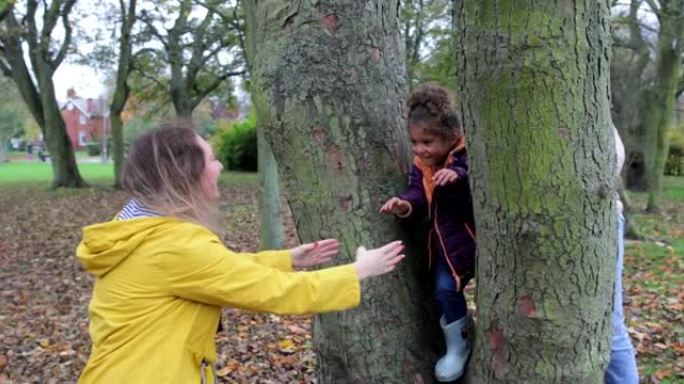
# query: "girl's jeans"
450 303
622 368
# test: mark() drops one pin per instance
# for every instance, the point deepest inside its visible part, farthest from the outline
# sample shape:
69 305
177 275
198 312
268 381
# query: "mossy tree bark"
534 83
328 83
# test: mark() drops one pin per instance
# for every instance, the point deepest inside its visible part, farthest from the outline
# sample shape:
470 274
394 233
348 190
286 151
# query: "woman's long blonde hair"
163 172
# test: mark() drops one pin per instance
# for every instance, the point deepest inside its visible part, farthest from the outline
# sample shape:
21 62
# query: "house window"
81 138
82 119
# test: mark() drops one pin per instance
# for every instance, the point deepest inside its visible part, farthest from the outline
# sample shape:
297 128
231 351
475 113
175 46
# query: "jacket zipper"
444 252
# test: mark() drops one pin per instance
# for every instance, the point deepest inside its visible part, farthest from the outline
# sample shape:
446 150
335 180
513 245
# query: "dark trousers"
450 302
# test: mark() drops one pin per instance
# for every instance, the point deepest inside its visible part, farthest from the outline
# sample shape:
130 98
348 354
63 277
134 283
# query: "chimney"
71 93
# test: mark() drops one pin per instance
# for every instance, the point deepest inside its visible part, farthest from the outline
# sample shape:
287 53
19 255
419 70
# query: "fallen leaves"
654 294
45 294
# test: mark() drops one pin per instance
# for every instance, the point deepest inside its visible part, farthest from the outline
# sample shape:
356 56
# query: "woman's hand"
318 252
396 206
378 261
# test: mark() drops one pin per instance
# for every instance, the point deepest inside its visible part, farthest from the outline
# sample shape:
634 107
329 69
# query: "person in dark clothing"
438 189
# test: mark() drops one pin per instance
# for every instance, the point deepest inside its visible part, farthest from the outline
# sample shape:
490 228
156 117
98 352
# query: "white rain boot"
450 367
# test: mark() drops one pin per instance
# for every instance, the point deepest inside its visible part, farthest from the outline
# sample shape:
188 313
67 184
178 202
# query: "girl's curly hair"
431 106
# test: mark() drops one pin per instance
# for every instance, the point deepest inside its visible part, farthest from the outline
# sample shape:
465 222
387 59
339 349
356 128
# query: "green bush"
94 148
675 156
236 145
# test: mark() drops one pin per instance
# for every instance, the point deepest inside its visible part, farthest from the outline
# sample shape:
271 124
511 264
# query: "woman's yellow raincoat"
160 284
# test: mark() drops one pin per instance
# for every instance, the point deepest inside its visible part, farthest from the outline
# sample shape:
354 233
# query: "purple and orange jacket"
450 210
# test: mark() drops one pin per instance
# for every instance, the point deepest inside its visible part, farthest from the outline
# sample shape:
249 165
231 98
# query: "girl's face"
432 149
211 172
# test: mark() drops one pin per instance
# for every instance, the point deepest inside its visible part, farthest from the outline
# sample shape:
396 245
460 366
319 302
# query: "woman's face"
212 170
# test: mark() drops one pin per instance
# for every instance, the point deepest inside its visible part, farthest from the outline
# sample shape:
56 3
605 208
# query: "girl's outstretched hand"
378 261
444 176
396 206
318 252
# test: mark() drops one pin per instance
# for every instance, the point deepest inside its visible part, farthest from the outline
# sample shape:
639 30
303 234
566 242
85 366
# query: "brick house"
84 119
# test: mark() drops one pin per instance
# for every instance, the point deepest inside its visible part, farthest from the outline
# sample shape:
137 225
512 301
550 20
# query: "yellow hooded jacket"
160 284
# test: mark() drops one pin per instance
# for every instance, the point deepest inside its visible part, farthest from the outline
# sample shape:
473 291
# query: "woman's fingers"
391 249
325 246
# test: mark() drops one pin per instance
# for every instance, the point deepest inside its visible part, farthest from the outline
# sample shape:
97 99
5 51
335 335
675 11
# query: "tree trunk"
661 97
123 70
40 99
64 168
631 57
116 126
4 157
271 224
328 81
534 83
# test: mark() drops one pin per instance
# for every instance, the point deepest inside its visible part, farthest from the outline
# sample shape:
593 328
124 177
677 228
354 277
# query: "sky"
85 81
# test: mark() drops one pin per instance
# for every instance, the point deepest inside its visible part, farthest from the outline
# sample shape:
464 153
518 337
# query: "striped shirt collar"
134 209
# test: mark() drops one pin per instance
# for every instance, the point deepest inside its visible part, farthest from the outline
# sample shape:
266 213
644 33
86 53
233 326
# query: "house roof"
96 106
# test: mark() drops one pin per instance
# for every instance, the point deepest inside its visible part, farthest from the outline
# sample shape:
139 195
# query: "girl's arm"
415 194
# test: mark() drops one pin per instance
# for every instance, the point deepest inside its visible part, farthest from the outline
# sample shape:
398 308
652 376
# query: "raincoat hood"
105 245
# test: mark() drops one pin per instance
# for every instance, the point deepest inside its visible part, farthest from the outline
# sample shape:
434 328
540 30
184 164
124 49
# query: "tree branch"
419 32
15 66
240 31
139 53
654 6
152 78
5 68
198 47
144 17
214 52
202 93
68 33
31 7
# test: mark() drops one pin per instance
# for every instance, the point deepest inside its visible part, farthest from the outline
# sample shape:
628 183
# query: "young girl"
162 274
438 189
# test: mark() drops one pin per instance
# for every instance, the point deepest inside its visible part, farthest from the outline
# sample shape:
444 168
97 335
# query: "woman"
162 274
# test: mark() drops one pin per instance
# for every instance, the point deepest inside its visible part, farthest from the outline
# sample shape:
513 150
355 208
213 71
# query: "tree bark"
328 82
534 82
121 92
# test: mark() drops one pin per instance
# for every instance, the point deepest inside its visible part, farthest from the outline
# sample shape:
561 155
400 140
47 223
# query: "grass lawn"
34 171
38 172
